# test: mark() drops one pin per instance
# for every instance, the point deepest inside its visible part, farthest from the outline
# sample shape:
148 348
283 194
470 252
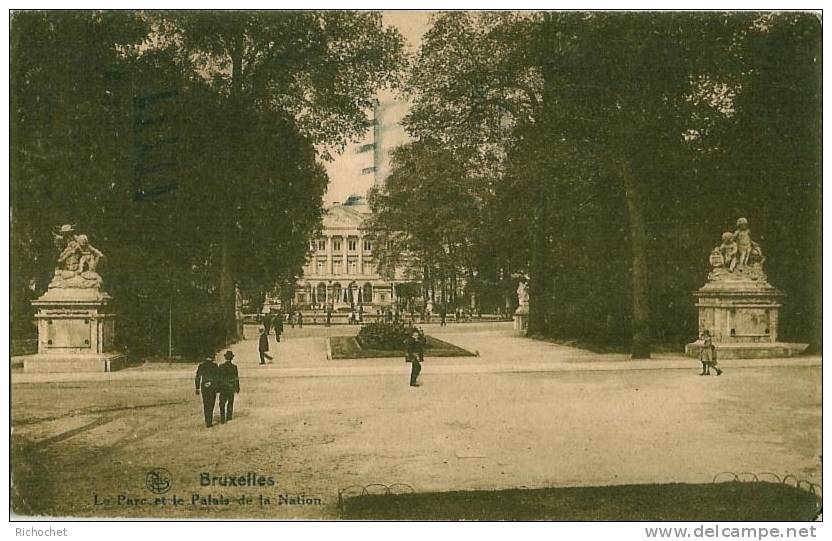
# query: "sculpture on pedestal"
76 326
521 315
738 308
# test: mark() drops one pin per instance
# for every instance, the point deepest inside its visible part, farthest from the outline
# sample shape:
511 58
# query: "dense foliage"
603 154
186 144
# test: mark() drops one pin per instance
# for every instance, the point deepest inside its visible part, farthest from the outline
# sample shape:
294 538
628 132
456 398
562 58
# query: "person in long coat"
206 382
415 348
263 346
229 385
278 325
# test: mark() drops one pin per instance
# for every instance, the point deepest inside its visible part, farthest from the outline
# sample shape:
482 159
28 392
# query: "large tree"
611 136
422 219
318 70
131 126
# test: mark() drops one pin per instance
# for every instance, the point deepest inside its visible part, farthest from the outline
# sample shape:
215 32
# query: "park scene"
412 265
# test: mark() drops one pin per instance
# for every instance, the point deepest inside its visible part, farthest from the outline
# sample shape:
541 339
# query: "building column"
360 255
345 240
329 255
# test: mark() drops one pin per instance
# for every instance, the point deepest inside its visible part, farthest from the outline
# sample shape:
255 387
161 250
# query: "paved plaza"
522 414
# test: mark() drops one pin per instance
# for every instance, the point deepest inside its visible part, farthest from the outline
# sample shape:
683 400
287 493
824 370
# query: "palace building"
342 270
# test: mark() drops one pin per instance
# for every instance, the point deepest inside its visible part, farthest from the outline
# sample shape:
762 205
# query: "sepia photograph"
402 265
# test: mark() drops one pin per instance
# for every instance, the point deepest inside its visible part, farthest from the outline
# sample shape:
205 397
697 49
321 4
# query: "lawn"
761 501
346 347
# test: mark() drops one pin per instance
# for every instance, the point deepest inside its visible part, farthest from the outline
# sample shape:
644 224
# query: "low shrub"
384 335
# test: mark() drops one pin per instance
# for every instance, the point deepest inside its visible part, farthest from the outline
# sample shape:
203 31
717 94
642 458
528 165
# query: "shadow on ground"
733 501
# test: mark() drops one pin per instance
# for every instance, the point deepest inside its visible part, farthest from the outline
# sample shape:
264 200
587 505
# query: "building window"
312 245
366 148
321 266
336 245
353 266
352 244
321 244
368 170
368 246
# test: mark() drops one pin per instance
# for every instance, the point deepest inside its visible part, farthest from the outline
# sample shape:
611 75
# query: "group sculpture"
76 321
738 257
77 260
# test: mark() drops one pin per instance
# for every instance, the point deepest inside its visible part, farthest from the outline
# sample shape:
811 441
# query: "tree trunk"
228 297
638 243
227 291
538 270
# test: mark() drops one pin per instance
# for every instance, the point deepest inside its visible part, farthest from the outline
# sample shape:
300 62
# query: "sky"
345 170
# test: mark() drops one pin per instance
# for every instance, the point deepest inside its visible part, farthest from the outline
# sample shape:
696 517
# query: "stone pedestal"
76 332
521 320
742 317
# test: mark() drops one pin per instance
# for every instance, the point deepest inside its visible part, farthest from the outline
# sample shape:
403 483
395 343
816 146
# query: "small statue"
522 293
67 248
728 249
742 236
89 254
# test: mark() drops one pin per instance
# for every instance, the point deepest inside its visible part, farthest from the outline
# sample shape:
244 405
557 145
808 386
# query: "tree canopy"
612 150
191 176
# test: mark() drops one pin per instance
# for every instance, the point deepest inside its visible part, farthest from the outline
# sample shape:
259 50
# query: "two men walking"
212 381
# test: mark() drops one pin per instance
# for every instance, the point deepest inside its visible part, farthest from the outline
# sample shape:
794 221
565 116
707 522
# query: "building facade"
342 270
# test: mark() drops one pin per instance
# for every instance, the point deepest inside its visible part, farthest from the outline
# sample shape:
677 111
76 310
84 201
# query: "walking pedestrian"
328 317
443 313
263 347
278 325
292 319
267 321
415 347
708 355
229 385
300 319
206 385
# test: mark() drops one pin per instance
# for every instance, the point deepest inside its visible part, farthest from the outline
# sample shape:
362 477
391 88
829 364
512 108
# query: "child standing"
708 355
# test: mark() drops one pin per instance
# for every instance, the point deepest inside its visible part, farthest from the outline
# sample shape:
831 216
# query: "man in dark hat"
228 387
206 384
267 321
264 345
415 347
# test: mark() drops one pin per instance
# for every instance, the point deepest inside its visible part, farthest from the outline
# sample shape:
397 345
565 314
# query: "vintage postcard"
416 265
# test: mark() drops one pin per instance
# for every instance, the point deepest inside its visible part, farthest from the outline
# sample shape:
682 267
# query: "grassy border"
347 347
